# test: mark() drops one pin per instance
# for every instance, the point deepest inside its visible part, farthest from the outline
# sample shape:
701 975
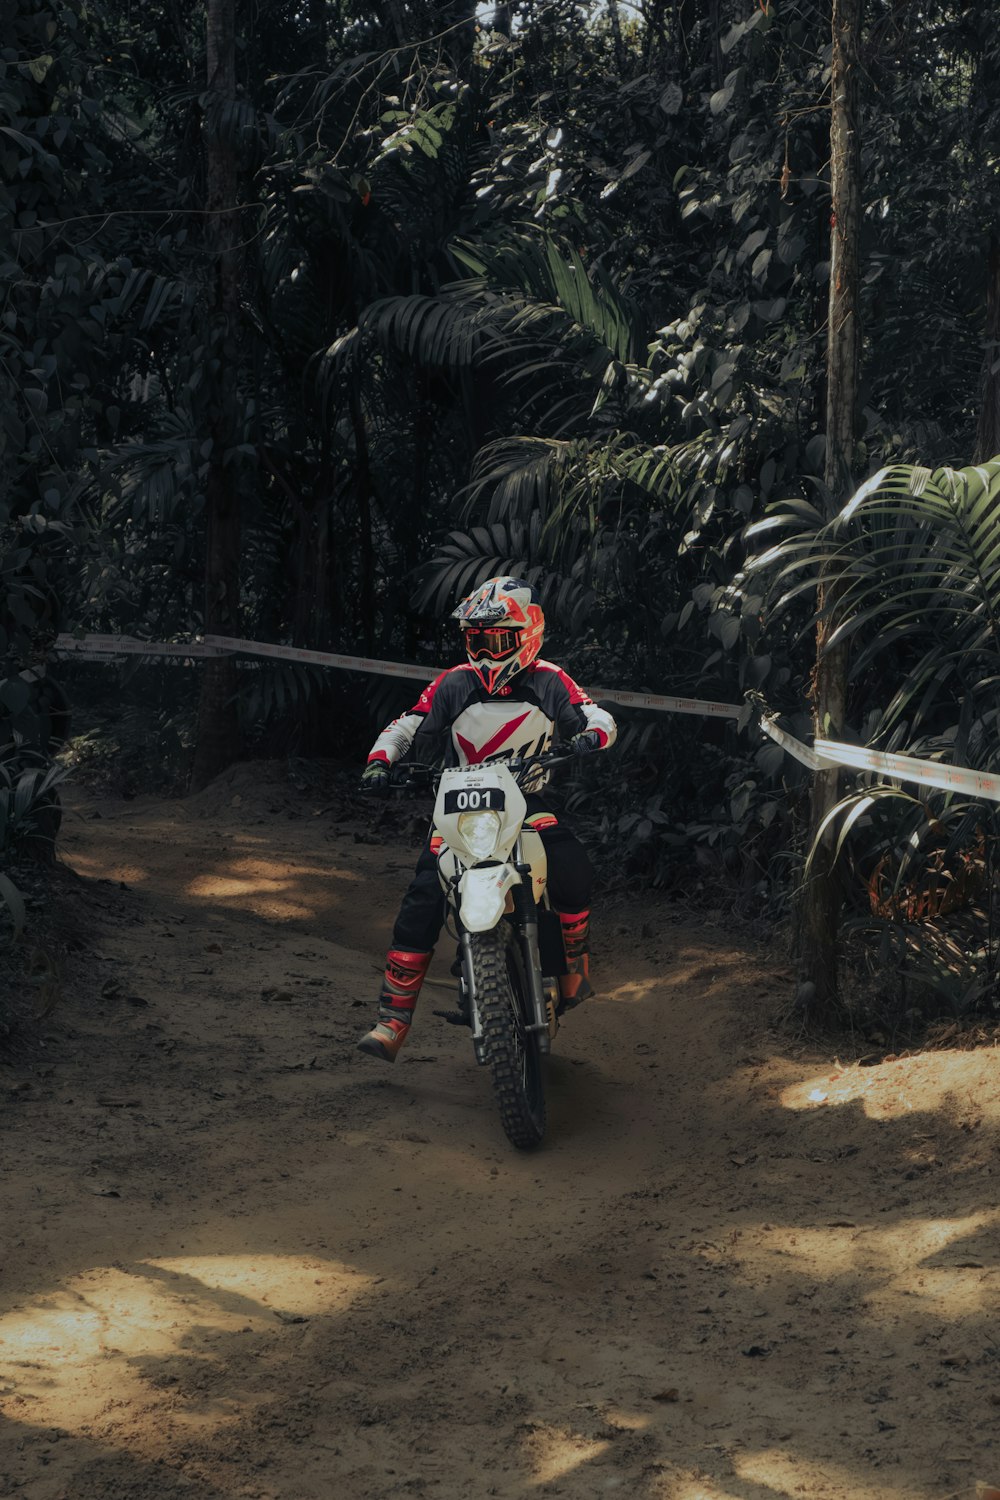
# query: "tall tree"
988 435
218 740
821 901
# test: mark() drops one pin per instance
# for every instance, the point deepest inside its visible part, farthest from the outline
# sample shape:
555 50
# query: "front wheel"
503 1000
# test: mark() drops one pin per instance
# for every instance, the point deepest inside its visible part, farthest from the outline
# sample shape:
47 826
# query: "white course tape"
826 754
92 647
426 674
795 748
323 658
666 705
821 756
911 768
91 655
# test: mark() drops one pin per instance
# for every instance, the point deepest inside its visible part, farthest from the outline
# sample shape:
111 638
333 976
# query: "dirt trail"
240 1259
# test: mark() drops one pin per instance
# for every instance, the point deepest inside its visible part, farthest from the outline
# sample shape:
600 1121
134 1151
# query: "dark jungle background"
313 315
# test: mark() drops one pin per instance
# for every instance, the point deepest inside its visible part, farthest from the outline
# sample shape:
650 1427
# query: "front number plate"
475 799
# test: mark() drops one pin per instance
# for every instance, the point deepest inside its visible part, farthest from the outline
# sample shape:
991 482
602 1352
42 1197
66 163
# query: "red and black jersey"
460 721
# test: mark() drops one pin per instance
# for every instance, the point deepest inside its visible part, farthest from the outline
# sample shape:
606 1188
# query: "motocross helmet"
503 625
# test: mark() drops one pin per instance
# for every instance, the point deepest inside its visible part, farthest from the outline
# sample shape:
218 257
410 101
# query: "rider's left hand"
585 742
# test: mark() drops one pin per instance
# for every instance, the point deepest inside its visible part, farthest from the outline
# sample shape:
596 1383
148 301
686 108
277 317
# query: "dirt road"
241 1260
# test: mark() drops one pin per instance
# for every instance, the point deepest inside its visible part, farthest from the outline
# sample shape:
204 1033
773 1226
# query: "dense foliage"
544 291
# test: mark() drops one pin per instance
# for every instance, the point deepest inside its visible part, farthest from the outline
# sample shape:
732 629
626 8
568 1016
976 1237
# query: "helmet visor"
492 643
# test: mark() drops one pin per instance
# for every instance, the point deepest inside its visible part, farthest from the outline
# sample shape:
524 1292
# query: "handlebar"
415 776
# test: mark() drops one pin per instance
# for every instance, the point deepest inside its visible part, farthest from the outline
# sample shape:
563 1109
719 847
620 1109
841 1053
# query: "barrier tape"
92 647
912 768
667 705
427 674
826 755
823 755
230 645
805 754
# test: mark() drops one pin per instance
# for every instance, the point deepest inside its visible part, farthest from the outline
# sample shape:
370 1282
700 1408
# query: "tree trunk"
988 435
364 491
218 738
819 911
456 24
616 34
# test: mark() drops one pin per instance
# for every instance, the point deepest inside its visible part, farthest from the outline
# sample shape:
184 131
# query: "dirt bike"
492 867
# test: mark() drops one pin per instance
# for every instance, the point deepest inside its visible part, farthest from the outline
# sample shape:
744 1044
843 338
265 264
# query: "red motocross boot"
404 974
575 986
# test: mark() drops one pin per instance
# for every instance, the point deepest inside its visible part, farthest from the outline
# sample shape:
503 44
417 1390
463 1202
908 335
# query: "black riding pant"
570 886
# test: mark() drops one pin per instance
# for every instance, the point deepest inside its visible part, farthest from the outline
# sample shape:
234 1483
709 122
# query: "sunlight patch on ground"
106 1334
930 1081
267 887
698 1490
301 868
893 1261
98 869
631 1421
789 1474
557 1452
261 894
628 994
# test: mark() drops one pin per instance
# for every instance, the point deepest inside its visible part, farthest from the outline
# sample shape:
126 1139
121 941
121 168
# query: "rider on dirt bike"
503 704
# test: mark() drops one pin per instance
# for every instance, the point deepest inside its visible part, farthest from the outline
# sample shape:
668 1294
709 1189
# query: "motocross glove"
585 742
375 779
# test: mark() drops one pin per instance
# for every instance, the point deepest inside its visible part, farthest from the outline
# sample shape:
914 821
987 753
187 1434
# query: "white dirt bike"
492 867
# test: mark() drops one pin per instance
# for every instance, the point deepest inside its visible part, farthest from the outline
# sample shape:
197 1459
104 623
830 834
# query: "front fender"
483 892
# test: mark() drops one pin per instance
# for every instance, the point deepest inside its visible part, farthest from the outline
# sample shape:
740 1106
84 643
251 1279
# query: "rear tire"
503 1000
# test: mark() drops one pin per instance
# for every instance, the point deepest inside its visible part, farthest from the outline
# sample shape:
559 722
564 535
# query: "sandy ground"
241 1259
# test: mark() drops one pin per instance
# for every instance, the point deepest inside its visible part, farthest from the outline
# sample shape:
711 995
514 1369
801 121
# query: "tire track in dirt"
240 1259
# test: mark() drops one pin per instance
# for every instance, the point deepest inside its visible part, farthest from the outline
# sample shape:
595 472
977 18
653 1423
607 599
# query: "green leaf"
671 101
38 67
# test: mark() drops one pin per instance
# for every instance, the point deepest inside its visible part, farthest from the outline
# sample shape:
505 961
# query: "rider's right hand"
375 779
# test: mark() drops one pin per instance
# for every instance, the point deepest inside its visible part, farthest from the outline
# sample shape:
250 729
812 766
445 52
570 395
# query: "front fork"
526 911
469 983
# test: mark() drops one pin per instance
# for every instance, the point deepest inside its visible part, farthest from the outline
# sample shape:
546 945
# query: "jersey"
462 723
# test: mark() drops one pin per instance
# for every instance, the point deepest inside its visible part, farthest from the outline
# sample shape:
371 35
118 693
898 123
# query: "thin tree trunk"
616 33
988 435
318 27
364 491
218 738
819 912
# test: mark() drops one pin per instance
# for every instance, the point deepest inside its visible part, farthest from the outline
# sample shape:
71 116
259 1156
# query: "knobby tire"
513 1054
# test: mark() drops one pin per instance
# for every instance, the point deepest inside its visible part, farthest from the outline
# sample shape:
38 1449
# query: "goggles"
492 642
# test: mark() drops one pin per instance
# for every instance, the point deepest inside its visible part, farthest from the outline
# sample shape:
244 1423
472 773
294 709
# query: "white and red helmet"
503 625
